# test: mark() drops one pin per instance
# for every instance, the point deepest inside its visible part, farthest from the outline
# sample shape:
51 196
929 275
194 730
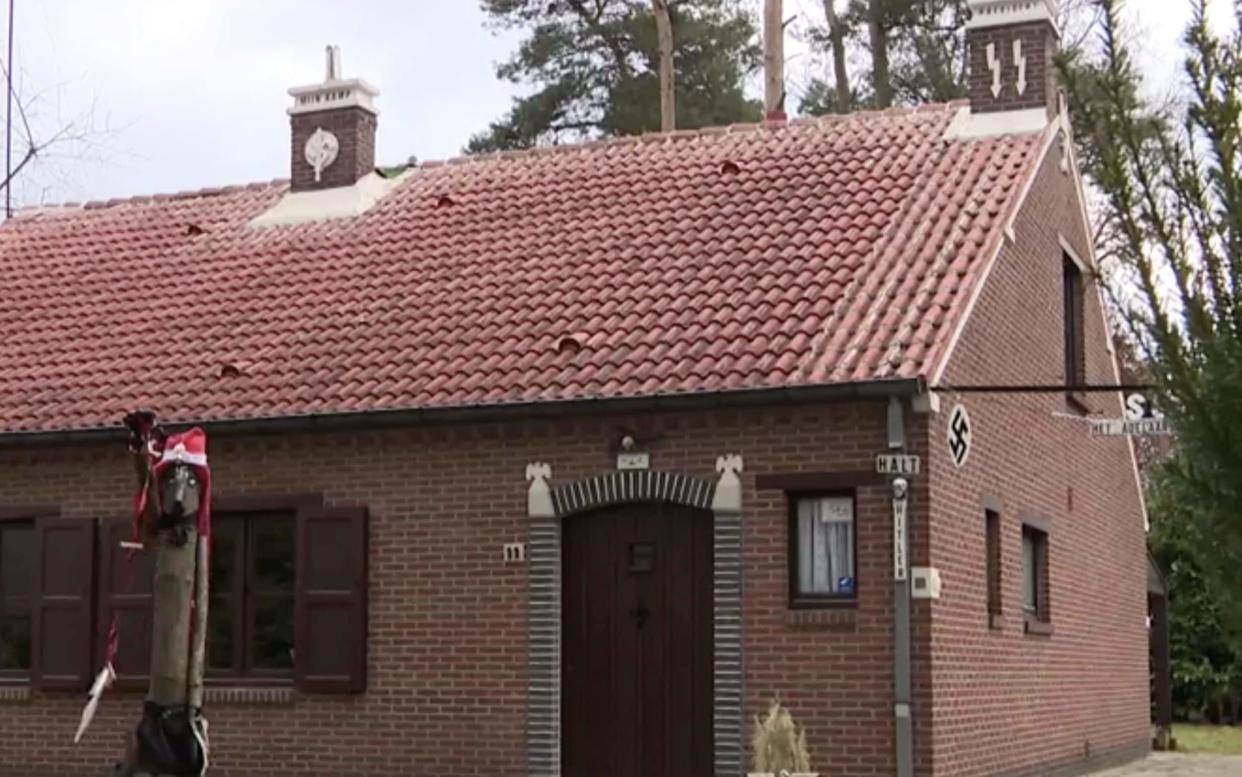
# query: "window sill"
832 619
996 622
257 695
1038 628
14 692
824 603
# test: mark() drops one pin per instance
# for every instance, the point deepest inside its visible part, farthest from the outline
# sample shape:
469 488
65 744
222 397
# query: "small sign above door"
633 461
896 464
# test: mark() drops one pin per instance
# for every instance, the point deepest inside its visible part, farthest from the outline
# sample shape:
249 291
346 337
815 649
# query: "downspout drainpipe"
902 696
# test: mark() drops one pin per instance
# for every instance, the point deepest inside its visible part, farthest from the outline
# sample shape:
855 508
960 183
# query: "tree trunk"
664 31
773 60
836 38
879 54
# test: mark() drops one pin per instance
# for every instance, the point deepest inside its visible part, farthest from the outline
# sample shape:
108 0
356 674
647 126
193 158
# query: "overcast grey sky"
193 91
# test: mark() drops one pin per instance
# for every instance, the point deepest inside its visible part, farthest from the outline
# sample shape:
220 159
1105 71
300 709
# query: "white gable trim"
1070 166
1009 237
1071 253
1059 130
967 125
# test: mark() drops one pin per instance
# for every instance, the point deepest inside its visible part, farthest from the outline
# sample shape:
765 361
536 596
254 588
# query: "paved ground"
1168 764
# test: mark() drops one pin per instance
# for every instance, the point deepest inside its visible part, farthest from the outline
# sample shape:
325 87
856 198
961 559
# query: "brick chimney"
1012 44
333 127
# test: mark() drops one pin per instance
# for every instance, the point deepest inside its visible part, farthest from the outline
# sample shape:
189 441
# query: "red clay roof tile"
816 251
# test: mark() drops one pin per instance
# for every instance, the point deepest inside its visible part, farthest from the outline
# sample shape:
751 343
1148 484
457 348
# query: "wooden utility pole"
664 32
773 60
8 122
836 39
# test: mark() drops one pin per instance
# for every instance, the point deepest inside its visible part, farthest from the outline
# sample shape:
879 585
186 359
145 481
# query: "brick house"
565 461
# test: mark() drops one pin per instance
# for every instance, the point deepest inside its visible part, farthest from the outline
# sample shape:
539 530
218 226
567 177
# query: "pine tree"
921 47
1170 185
594 66
916 50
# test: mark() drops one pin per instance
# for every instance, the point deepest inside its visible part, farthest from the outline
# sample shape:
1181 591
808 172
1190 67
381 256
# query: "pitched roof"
810 252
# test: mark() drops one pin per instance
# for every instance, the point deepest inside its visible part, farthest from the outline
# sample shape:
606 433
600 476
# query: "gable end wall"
1005 701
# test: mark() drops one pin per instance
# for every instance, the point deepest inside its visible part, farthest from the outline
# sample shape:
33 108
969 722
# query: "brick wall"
354 129
447 638
1005 701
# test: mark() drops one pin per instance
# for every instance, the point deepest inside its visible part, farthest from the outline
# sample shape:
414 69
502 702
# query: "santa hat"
190 447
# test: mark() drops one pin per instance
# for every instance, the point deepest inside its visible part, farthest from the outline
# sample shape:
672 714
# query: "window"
993 530
1035 575
822 548
1072 306
251 609
288 598
17 593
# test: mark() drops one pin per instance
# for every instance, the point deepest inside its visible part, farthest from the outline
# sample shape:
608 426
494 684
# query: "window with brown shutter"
281 567
125 589
63 611
331 613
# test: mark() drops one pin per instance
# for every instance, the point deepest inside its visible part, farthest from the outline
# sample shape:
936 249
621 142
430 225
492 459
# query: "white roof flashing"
327 204
967 125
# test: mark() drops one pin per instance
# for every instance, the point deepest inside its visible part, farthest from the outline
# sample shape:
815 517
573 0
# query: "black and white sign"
960 434
1113 427
896 464
1141 417
899 539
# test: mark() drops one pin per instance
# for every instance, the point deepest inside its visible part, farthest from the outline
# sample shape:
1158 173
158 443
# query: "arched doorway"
637 641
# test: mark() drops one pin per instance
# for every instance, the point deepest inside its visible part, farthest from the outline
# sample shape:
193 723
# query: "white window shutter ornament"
728 497
1020 61
539 497
994 64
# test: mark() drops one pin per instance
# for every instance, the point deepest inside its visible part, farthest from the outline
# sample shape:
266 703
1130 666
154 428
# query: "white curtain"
826 545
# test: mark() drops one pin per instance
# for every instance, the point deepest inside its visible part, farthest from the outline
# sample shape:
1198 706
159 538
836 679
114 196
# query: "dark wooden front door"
637 614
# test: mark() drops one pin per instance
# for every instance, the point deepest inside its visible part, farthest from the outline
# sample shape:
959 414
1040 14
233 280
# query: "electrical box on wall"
924 583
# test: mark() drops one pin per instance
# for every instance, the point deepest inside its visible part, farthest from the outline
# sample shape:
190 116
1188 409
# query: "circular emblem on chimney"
321 149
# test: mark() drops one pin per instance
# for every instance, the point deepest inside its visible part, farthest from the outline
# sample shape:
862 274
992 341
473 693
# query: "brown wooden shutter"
330 618
61 649
125 589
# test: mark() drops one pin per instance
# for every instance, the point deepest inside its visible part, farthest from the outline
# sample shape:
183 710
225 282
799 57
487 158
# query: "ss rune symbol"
959 435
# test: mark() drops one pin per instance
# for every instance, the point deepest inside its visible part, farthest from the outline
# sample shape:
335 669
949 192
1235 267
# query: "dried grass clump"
777 743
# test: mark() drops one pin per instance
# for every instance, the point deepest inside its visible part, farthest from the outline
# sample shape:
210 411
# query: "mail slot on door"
642 558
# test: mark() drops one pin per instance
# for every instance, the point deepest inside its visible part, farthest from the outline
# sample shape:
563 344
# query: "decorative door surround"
547 505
